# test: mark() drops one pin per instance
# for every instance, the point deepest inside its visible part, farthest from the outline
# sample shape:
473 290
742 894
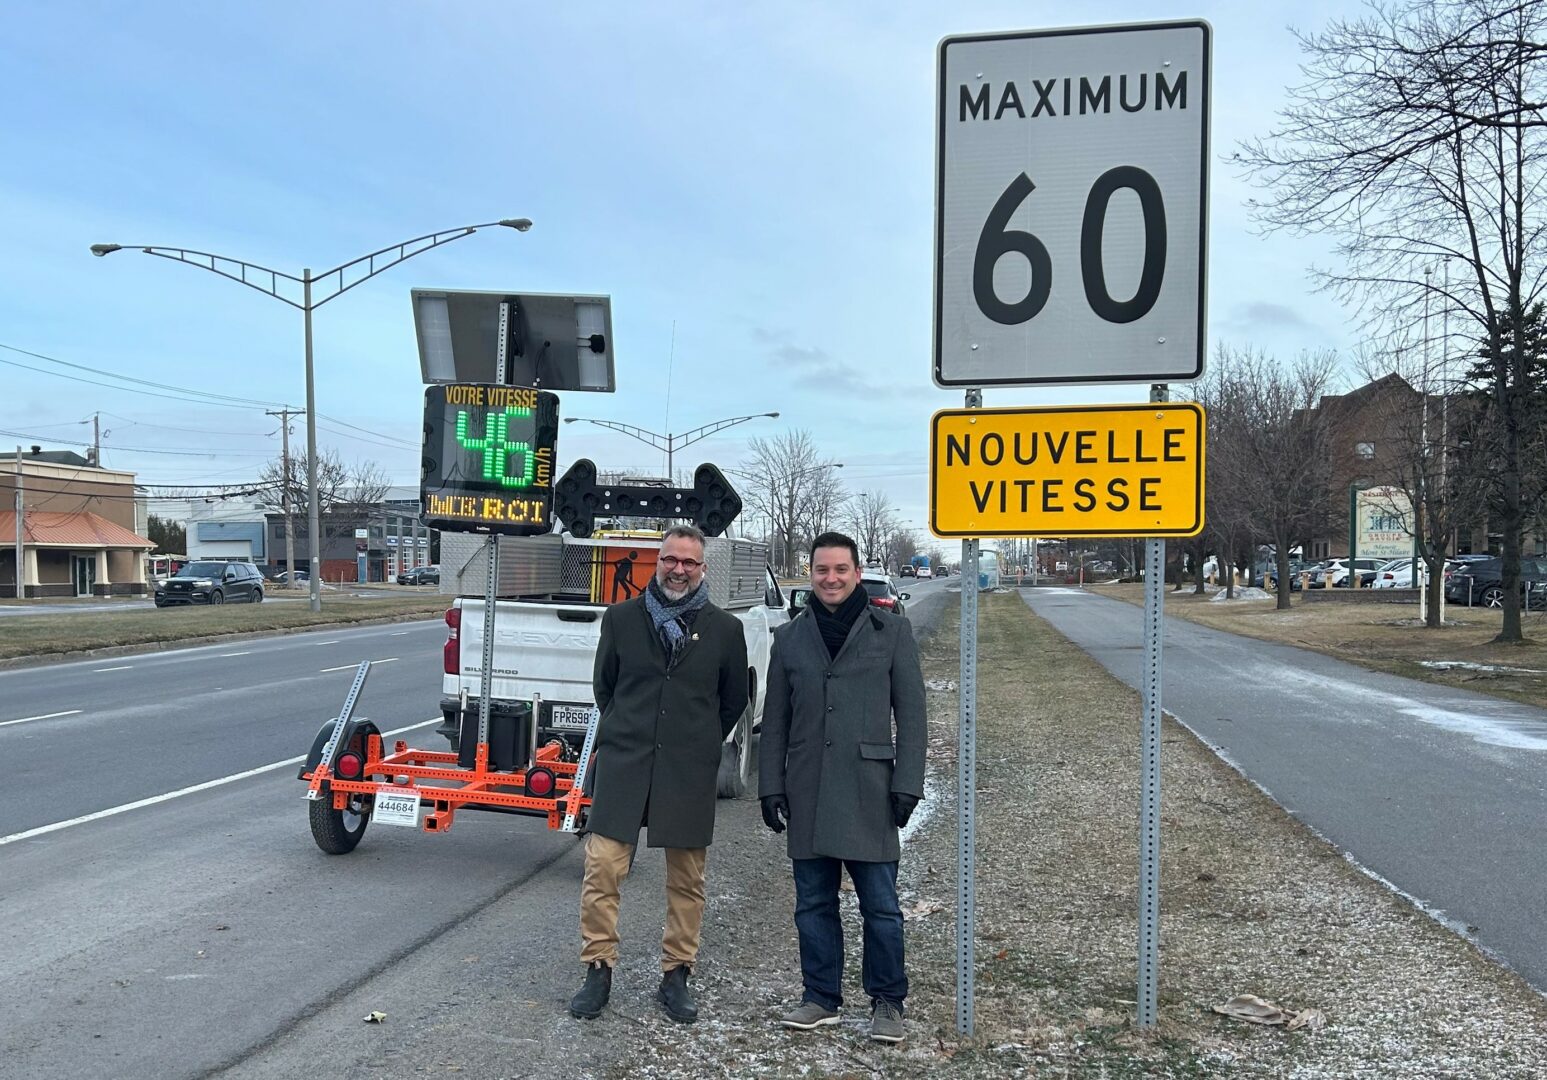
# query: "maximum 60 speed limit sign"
1071 205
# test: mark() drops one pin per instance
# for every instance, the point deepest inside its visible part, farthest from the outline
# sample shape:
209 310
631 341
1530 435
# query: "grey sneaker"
886 1021
808 1016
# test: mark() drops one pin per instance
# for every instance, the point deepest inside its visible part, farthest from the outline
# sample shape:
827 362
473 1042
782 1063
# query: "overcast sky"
760 178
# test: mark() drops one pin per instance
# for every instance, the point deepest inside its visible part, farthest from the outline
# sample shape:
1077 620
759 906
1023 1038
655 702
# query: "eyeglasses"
671 562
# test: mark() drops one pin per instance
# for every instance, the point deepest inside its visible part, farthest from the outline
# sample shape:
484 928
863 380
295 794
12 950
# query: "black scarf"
835 625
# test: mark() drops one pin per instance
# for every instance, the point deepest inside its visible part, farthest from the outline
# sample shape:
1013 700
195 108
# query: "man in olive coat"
842 762
671 683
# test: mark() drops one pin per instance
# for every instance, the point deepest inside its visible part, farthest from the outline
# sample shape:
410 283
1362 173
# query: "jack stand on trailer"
352 781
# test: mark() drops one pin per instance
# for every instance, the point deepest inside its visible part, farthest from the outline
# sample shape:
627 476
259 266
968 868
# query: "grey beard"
674 594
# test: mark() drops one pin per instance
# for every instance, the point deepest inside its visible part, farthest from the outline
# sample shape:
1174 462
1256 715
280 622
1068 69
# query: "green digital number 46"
497 449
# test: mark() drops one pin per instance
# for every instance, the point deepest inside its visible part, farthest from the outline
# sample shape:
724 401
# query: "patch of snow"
1468 665
1249 593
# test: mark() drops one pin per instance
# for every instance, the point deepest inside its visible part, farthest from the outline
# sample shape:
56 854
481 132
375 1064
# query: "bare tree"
786 476
1275 447
1417 141
871 518
899 547
340 487
1231 486
1422 423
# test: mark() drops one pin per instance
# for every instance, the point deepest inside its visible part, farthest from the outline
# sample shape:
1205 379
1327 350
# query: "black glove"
902 807
776 811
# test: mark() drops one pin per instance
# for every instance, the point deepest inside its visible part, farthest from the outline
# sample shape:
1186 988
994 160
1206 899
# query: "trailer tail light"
450 654
348 765
540 782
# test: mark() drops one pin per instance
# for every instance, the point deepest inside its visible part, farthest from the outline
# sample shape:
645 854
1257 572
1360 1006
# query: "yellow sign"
1079 470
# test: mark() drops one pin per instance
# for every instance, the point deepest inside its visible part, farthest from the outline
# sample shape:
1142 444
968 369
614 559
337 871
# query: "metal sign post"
966 774
491 587
1149 793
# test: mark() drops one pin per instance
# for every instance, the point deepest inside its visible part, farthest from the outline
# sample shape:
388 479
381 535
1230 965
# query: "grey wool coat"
841 734
658 740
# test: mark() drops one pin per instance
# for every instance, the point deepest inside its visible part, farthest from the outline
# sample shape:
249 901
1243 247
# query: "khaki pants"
606 865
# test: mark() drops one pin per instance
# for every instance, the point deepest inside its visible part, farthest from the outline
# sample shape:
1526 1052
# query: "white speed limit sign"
1071 205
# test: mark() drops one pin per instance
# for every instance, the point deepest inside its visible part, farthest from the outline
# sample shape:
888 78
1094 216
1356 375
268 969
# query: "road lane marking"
333 642
351 667
246 653
124 667
397 633
139 804
45 716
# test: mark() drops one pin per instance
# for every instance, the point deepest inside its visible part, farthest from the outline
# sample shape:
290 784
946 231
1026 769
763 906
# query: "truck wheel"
736 758
336 831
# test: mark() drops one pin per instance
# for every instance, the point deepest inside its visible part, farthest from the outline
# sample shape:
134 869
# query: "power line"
122 378
170 427
137 449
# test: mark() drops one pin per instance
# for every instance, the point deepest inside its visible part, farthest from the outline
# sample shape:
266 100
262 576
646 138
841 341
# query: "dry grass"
1382 637
1251 902
43 635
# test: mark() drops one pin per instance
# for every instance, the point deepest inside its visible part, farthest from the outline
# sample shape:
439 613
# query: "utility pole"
96 440
21 590
284 492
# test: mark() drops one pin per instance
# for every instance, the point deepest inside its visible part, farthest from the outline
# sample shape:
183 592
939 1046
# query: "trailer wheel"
736 758
337 832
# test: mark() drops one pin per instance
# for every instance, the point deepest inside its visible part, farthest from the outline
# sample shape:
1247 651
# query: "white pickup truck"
545 635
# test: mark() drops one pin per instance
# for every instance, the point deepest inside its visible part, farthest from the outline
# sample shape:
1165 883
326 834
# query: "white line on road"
397 633
248 652
333 642
122 667
351 667
45 716
154 799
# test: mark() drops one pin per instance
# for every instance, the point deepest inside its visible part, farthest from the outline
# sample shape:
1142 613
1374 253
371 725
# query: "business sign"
1071 205
487 463
1084 470
1385 523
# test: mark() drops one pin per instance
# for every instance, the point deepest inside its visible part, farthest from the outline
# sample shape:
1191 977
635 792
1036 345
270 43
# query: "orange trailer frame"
436 778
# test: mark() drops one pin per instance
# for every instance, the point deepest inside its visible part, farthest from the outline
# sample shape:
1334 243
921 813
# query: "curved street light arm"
687 438
428 240
205 260
660 442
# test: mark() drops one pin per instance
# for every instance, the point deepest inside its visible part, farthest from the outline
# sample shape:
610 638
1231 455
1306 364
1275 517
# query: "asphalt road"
1443 793
164 912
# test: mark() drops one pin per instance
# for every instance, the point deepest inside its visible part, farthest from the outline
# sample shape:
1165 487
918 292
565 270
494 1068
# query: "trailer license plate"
397 806
572 716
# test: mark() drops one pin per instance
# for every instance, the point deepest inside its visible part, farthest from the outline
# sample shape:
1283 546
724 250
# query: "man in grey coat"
841 761
671 683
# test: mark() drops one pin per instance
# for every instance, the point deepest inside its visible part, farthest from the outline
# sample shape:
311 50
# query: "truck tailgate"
545 649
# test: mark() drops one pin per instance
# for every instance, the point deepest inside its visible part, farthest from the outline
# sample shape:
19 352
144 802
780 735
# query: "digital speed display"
488 458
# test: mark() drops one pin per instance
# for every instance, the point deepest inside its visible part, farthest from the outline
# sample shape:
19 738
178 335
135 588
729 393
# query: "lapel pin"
695 637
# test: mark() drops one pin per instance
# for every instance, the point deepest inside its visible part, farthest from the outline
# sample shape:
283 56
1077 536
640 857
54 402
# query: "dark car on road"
1480 582
212 583
883 594
420 575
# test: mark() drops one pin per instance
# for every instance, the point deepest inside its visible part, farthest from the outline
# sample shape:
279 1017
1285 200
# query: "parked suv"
212 583
1481 582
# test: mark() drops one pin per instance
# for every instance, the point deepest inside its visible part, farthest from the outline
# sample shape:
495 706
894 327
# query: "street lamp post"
238 270
671 443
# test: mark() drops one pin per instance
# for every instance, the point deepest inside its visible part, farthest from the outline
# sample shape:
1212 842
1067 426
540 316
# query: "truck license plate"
397 806
572 716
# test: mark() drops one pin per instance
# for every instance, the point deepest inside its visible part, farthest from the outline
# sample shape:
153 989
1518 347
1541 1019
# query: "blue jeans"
821 930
